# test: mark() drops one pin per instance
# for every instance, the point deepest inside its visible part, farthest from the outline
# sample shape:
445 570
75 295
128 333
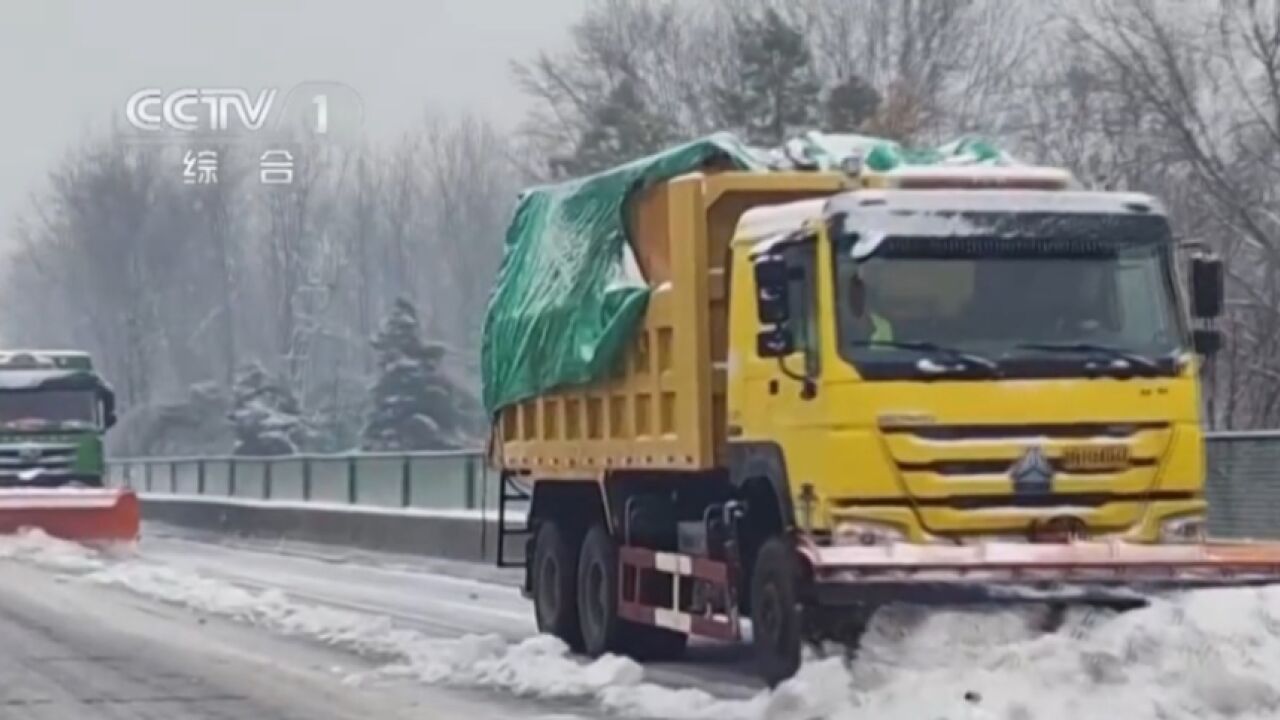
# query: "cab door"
782 400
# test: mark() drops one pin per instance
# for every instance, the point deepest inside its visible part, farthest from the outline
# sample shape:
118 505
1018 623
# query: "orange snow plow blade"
76 514
1072 572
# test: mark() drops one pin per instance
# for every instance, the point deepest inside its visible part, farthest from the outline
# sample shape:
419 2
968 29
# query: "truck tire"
598 593
775 611
555 585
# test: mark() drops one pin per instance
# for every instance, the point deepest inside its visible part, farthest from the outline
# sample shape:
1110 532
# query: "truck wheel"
598 593
775 611
555 584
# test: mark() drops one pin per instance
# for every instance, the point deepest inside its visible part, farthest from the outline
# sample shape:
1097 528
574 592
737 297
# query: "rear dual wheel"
602 629
555 592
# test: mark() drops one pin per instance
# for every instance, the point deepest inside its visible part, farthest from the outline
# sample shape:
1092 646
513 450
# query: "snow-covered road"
71 649
436 597
410 630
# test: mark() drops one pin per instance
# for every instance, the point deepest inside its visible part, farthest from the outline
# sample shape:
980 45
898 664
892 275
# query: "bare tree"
1206 83
469 193
648 48
942 68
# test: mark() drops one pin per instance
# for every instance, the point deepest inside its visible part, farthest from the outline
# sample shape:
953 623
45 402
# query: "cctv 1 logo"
322 109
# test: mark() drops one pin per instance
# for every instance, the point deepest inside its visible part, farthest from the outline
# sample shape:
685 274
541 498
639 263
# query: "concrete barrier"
465 535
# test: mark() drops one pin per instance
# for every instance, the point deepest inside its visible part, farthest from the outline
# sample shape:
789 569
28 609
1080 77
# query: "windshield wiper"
1141 361
924 346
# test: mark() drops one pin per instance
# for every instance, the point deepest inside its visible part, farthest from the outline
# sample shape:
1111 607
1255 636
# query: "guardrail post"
147 475
173 476
266 478
470 482
352 496
404 482
306 478
231 477
200 476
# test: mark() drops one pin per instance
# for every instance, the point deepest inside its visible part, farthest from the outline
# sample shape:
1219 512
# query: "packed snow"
1211 654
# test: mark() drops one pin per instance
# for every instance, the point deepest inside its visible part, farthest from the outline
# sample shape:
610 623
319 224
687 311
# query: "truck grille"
51 459
946 462
1072 431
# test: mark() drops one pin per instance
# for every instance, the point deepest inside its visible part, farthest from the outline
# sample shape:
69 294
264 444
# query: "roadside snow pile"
36 547
539 666
1211 654
1208 655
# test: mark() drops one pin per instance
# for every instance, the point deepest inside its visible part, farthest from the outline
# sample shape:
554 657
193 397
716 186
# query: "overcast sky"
69 66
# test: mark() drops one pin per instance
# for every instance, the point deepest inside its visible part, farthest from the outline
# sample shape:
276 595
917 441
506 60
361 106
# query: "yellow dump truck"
930 384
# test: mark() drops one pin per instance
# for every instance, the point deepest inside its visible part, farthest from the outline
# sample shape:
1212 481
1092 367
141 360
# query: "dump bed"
664 405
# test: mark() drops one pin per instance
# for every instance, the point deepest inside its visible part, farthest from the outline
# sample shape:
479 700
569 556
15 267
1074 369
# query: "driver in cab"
864 325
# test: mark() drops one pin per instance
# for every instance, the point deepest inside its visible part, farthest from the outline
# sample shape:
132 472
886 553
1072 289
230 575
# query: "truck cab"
54 410
950 355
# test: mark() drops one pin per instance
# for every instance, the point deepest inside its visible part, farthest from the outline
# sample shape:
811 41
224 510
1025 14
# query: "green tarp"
568 297
828 152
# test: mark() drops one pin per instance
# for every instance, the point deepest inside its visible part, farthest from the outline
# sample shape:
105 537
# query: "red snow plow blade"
76 514
1113 573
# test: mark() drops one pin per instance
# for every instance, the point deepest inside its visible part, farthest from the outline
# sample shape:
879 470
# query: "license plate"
1056 530
1095 458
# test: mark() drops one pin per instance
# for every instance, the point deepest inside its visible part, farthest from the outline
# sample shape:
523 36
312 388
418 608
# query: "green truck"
54 411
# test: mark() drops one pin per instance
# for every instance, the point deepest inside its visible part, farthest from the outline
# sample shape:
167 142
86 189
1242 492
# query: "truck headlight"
861 532
1183 529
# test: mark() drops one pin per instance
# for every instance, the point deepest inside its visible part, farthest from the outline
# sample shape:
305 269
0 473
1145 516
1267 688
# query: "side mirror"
773 302
1207 287
1207 342
774 342
108 408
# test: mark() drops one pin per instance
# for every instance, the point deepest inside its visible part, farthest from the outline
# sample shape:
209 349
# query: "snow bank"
1210 654
34 546
537 667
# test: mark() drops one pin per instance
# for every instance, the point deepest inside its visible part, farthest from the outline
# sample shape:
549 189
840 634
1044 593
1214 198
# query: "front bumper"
1136 521
1114 572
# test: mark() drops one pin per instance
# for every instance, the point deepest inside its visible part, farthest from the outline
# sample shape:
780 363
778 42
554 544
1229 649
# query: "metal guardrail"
1243 485
423 480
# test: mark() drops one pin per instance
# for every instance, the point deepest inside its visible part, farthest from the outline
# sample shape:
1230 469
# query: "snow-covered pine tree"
414 404
265 415
772 91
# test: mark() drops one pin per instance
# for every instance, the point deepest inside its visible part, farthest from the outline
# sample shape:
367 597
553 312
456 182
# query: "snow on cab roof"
44 360
1009 200
766 222
48 353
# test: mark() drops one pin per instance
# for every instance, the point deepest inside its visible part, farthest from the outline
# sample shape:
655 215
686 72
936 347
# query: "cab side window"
802 260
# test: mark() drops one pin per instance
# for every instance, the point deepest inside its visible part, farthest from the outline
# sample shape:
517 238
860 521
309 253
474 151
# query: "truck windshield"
48 409
1022 304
